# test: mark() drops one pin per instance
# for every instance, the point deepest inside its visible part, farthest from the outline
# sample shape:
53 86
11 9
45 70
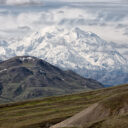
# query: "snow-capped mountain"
84 52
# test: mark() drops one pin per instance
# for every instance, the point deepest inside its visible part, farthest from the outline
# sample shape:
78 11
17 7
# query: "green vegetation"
116 102
42 113
114 122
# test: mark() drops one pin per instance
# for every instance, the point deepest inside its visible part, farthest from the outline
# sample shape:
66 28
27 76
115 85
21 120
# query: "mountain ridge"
83 52
27 77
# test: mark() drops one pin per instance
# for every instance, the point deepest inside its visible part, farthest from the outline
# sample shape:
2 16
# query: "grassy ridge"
113 122
42 113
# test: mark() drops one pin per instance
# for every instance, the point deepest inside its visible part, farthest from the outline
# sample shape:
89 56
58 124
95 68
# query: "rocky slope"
75 49
28 77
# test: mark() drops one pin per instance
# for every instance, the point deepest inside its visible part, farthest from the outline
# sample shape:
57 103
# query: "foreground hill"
43 113
29 77
115 106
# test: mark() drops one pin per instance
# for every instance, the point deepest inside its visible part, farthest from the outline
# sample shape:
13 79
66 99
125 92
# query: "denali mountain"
83 52
29 77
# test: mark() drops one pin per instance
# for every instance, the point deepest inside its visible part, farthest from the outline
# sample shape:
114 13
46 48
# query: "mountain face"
28 77
77 50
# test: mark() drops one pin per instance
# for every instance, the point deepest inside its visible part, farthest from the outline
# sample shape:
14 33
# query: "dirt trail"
111 106
83 117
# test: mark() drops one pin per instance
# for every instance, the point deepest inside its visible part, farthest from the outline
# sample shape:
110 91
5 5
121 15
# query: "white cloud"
87 0
109 21
21 2
35 2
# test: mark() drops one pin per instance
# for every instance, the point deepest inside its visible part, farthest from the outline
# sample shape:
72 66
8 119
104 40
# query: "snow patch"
3 70
27 58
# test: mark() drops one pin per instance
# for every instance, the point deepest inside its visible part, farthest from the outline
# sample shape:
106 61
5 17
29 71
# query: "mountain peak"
82 34
74 49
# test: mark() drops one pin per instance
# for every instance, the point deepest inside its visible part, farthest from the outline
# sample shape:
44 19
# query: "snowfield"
75 49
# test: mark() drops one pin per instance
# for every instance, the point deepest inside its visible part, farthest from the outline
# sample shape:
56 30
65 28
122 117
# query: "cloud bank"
38 2
109 21
20 2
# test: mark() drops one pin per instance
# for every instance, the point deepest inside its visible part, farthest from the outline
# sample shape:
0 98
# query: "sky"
106 18
38 1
